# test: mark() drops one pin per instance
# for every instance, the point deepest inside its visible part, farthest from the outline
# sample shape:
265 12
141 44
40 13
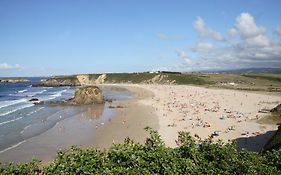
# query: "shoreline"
130 120
168 109
88 132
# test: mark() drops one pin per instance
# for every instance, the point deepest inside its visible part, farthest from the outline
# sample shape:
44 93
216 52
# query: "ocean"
20 119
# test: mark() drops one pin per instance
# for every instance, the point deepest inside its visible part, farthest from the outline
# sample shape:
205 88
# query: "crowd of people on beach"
221 112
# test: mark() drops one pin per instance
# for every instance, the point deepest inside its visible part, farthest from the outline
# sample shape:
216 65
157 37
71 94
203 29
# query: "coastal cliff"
13 80
60 81
128 78
84 96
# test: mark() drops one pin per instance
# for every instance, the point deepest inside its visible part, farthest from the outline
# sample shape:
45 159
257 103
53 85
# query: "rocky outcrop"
13 80
60 81
274 142
79 80
159 79
83 79
276 109
100 79
84 96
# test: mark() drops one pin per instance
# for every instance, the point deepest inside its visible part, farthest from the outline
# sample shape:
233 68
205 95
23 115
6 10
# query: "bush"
190 157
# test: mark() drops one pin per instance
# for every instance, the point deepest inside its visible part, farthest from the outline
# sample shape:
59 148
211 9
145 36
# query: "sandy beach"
225 114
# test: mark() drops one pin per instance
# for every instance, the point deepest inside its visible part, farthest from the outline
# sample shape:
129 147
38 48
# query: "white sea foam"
32 94
11 102
41 92
11 147
22 91
16 109
32 112
25 128
59 93
40 108
9 121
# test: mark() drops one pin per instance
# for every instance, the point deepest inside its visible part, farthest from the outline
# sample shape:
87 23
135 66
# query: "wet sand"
85 130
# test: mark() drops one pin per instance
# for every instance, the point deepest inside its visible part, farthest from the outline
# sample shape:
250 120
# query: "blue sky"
67 37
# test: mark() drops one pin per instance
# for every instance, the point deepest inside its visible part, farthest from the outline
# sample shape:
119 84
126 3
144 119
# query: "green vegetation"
71 77
191 157
188 79
145 77
272 118
128 77
249 82
270 77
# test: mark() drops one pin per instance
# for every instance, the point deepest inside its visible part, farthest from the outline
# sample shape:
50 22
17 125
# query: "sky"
60 37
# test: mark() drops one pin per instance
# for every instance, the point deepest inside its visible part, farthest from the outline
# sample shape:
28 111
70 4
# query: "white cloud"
232 32
259 41
183 55
202 47
207 32
251 35
252 49
246 25
5 66
278 30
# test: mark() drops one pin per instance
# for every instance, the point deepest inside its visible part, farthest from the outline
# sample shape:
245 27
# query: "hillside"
251 82
145 78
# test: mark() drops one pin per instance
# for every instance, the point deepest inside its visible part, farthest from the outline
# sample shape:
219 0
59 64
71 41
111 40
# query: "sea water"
20 119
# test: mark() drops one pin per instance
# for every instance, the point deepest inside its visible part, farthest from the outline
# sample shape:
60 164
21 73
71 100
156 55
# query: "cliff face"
76 80
73 81
84 96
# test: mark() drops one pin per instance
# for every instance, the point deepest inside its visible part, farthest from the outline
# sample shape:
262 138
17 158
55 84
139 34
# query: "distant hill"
246 70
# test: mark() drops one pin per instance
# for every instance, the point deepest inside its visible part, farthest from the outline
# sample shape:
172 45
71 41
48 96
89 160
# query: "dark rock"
274 142
276 109
109 100
33 99
118 106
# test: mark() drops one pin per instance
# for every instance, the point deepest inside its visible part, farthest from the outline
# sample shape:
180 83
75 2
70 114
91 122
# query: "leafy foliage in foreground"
191 157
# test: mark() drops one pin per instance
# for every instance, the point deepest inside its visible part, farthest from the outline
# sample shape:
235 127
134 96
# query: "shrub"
190 157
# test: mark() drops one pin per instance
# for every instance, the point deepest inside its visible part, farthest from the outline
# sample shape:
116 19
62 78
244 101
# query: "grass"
147 77
249 82
128 77
72 77
188 79
272 118
270 77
